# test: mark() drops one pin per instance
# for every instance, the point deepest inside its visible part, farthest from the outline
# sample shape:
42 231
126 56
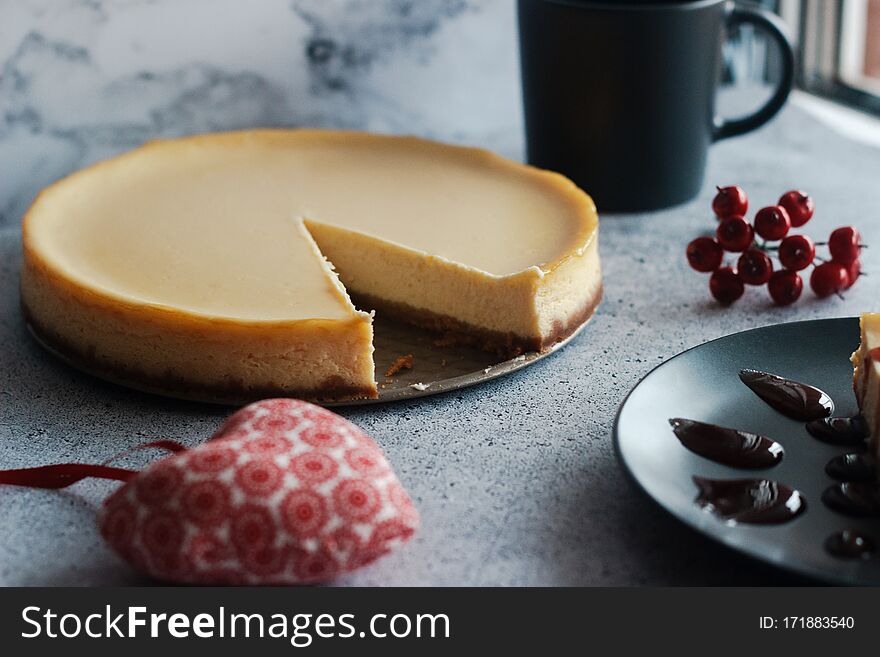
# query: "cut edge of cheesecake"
507 315
550 301
62 301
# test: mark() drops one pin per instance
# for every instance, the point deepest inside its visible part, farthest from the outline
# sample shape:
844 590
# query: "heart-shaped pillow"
285 492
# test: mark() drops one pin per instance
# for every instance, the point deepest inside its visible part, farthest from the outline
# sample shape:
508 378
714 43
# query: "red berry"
853 271
730 202
772 223
785 287
796 252
704 254
829 278
735 234
726 286
754 267
845 245
798 205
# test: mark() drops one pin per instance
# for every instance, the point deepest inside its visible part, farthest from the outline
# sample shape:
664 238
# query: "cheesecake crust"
232 393
454 332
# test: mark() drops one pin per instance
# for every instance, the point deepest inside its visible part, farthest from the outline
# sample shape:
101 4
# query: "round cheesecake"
222 267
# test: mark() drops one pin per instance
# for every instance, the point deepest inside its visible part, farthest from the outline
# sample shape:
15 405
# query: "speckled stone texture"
516 480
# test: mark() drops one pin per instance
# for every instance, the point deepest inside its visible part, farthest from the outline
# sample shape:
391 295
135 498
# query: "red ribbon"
65 474
168 445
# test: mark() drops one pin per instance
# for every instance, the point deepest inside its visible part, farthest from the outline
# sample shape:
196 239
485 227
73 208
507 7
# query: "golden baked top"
213 225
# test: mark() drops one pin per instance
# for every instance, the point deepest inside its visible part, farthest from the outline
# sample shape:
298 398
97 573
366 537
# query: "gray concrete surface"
517 480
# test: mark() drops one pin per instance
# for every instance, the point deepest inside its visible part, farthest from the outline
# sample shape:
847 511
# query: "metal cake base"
435 369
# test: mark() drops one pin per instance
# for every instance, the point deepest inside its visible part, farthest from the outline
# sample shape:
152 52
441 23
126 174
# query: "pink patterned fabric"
285 492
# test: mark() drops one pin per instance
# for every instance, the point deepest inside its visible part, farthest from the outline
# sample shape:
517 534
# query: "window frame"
819 27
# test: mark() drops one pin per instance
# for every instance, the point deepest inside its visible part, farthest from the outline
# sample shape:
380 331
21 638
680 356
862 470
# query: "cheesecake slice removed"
219 267
866 375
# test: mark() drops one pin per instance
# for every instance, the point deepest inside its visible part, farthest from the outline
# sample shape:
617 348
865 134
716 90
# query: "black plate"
703 384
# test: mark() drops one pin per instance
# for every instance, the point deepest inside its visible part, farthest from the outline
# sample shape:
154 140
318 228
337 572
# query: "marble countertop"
81 80
516 480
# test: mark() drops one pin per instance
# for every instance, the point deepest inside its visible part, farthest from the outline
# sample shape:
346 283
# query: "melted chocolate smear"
750 501
856 499
852 467
739 449
849 544
796 400
839 430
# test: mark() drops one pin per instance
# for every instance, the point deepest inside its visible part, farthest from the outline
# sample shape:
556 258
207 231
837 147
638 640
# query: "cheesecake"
866 376
241 265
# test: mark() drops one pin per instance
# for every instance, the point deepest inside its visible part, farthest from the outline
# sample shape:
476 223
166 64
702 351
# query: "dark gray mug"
620 96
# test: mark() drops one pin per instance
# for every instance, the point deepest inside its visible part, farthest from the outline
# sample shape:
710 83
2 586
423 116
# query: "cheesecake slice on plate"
866 375
223 267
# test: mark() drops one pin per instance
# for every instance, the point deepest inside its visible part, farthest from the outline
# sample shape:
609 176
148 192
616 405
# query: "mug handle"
776 29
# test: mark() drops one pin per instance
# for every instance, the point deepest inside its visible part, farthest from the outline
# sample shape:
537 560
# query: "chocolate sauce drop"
739 449
853 498
849 544
839 430
852 467
750 501
798 401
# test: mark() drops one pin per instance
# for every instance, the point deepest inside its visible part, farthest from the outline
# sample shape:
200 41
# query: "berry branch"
734 234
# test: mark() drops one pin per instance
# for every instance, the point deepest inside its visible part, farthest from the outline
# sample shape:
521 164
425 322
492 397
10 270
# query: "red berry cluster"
794 252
